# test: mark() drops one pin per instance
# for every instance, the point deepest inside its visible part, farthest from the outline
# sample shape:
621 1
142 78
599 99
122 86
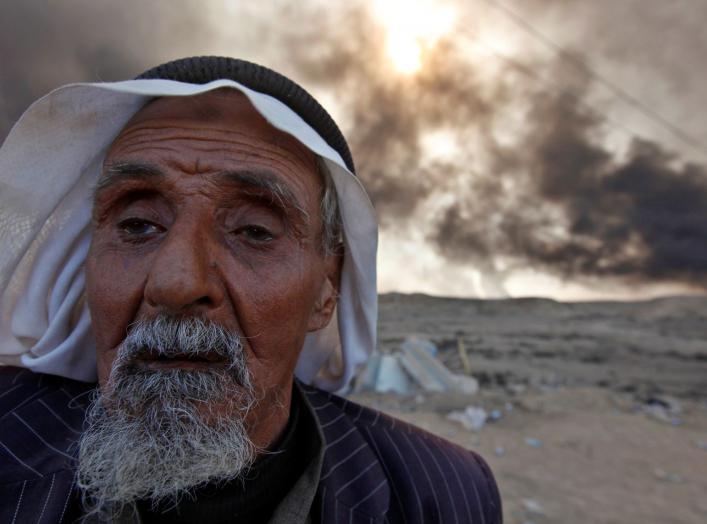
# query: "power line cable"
581 64
529 72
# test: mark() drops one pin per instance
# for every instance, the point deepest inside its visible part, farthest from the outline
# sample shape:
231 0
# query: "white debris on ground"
533 506
413 367
596 413
533 442
668 476
472 418
663 408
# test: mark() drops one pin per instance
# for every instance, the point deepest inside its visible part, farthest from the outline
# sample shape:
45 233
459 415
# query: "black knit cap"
204 69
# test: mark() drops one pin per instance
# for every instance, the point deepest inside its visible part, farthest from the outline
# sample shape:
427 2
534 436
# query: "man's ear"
325 305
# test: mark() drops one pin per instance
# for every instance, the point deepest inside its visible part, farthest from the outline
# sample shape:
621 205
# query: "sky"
550 148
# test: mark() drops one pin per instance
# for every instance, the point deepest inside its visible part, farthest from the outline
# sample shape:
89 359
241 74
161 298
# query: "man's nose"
182 276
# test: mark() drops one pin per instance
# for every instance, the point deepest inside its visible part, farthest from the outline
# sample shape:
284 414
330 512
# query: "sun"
411 27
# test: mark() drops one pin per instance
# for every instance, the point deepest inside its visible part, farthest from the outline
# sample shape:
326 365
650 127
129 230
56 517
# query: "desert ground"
601 408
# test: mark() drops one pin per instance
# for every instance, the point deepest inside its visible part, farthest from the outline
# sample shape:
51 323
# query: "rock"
533 442
666 476
465 384
496 414
533 506
670 404
516 389
664 409
472 418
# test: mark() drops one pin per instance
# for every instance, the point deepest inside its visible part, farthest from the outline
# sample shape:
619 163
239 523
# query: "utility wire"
523 69
581 64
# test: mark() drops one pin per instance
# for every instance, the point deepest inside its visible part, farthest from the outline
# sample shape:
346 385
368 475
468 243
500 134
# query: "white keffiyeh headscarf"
49 165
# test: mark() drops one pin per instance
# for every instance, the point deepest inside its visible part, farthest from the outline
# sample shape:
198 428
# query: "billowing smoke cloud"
533 182
388 114
47 44
585 212
557 198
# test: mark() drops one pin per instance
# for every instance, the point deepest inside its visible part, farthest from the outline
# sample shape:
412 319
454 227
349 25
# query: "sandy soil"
580 379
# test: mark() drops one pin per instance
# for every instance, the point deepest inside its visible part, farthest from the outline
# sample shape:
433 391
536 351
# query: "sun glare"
411 28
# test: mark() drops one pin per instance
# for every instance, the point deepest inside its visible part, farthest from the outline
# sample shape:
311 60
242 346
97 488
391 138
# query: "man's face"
205 210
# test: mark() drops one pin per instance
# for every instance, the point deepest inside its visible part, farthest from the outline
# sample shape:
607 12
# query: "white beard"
154 434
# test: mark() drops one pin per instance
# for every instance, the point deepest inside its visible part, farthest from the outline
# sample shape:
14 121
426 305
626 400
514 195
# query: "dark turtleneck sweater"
254 497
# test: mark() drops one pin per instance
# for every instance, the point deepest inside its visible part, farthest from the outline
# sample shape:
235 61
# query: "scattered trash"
391 376
471 418
533 442
548 383
533 506
461 348
516 389
496 414
499 451
508 406
414 364
666 476
702 444
661 415
383 374
664 409
419 343
466 385
417 357
669 403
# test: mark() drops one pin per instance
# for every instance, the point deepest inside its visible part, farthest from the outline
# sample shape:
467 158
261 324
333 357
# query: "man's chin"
157 434
140 386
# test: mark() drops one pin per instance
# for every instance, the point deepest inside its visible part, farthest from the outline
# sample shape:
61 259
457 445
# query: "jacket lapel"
45 424
41 418
353 486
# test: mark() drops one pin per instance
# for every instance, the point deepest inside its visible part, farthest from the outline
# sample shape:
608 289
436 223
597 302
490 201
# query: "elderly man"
192 241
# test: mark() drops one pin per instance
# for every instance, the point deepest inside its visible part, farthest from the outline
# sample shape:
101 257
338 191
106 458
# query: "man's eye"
138 227
256 233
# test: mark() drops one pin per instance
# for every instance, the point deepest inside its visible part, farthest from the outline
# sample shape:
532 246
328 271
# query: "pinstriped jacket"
375 469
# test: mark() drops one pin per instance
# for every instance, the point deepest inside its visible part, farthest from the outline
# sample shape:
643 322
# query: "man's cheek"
278 295
114 290
276 318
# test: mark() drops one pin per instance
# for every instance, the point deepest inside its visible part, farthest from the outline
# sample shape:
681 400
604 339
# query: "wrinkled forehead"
223 112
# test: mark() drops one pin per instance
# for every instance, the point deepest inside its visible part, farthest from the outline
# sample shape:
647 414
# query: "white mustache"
184 337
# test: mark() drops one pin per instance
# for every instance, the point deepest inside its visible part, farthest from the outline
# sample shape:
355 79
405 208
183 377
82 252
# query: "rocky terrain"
599 409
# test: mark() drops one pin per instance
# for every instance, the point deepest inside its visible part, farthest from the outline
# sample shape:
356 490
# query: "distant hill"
658 344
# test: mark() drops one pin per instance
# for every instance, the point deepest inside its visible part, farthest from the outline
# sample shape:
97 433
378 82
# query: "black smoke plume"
558 199
585 212
543 191
47 44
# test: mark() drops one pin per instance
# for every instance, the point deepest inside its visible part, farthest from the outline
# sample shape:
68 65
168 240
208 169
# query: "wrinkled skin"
173 234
